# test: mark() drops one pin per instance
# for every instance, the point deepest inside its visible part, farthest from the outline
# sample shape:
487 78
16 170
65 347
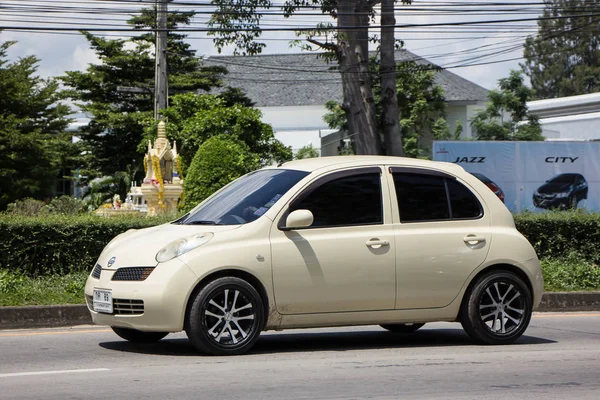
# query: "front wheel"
497 308
226 317
573 201
402 328
135 336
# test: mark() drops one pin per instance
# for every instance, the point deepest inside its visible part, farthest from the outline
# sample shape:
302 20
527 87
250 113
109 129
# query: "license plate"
103 301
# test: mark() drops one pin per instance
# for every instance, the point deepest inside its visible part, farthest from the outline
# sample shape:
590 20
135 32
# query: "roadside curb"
570 301
44 316
78 314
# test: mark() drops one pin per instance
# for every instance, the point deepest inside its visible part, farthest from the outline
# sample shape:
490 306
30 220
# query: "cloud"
83 56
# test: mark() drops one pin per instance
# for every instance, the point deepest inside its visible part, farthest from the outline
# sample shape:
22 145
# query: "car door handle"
472 239
376 243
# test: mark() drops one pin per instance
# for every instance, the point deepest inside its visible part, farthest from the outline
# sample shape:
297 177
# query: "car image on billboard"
563 191
491 184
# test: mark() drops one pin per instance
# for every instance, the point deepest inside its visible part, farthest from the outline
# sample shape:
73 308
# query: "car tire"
402 328
135 336
226 317
573 201
497 308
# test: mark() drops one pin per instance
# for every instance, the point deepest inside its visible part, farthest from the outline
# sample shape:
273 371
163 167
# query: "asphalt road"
558 358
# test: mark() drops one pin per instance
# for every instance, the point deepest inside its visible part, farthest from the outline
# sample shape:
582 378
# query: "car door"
345 261
442 234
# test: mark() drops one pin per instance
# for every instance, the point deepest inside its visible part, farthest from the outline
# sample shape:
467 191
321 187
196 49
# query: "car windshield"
244 200
565 178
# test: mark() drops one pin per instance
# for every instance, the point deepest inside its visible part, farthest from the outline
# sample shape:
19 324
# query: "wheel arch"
228 272
495 267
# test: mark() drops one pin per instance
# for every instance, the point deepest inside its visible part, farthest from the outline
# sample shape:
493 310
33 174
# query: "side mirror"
298 219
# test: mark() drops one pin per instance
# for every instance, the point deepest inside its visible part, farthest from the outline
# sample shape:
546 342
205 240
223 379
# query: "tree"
422 103
237 23
563 59
118 93
492 123
193 119
32 122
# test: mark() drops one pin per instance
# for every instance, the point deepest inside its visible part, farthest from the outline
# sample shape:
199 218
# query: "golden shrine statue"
163 184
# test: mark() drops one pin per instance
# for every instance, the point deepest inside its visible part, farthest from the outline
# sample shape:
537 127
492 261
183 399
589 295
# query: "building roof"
304 79
566 106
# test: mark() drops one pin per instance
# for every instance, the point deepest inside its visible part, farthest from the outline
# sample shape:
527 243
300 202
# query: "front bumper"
556 202
156 304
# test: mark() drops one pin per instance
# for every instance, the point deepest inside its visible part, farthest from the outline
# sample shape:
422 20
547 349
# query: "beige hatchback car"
333 241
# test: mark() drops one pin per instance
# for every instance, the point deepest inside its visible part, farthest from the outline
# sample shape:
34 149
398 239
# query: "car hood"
551 188
138 247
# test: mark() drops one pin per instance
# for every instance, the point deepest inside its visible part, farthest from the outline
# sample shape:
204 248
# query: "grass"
567 274
19 290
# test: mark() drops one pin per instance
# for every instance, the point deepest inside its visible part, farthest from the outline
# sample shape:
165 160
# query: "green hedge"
37 246
55 244
562 233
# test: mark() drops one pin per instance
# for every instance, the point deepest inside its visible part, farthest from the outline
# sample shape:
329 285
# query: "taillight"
496 189
493 186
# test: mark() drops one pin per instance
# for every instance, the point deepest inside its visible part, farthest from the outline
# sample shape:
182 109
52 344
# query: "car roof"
335 162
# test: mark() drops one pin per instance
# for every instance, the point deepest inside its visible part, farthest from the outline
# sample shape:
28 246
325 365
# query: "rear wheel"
135 336
226 317
497 308
402 328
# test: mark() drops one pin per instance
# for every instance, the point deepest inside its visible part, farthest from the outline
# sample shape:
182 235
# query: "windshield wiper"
200 222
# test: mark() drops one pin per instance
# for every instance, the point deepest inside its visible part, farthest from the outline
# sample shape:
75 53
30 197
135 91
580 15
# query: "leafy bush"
57 244
307 152
219 160
193 119
66 205
570 273
557 234
27 207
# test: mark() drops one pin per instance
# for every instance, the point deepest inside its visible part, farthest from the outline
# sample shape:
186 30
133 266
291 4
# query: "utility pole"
160 80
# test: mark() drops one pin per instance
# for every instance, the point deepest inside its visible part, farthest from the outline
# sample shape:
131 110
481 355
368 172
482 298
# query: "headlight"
182 246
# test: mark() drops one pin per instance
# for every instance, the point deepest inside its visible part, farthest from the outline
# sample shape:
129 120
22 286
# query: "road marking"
55 332
66 371
569 315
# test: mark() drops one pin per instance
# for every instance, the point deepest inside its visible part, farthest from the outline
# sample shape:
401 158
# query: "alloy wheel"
229 317
502 307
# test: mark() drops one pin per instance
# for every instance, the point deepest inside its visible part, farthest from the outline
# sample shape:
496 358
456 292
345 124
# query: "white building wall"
454 114
463 113
300 126
579 127
297 126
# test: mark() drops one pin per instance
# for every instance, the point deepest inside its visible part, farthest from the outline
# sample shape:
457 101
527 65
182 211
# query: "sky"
497 47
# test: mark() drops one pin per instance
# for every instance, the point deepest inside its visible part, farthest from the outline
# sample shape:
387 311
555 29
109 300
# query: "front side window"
423 197
246 199
349 200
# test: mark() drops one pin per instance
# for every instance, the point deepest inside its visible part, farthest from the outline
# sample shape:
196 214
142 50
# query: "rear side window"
350 200
423 197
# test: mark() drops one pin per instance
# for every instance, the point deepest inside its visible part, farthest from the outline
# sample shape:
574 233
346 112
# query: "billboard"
534 176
